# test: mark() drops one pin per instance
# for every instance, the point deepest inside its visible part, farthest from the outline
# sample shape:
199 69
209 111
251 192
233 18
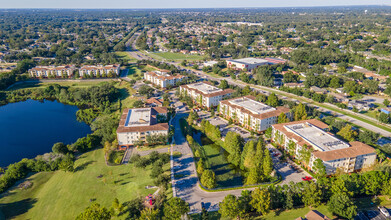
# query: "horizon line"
250 7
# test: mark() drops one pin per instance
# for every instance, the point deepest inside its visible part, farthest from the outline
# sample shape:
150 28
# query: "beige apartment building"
136 124
163 78
250 113
313 135
56 71
205 94
100 69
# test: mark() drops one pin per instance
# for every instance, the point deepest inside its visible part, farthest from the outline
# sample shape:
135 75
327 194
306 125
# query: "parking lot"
224 126
371 215
289 171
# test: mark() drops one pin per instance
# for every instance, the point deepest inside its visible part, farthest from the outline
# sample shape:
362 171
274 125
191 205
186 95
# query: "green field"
217 161
295 213
134 73
176 56
27 85
62 195
125 56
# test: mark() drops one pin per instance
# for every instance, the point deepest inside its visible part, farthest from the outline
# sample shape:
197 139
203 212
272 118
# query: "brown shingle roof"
153 100
315 215
356 149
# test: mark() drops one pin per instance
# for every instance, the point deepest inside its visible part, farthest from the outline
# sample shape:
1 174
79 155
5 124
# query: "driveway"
289 171
224 125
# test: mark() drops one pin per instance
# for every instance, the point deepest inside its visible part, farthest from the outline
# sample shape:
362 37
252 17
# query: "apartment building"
56 71
136 124
246 63
205 94
163 78
100 69
250 113
312 135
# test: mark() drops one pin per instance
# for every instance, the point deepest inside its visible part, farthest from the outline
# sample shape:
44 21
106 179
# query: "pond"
30 128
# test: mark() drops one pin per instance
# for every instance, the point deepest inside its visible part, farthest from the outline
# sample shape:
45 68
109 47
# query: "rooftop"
138 117
204 88
252 105
141 120
318 138
250 60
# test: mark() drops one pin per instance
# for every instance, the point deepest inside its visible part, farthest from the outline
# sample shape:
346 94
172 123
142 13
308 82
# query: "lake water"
30 128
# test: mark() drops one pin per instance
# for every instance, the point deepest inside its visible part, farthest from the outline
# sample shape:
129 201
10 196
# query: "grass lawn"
175 56
295 213
134 73
62 195
217 161
126 92
125 56
80 84
368 203
145 148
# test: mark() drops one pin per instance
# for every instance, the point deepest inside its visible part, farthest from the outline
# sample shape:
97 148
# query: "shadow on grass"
83 166
123 94
14 209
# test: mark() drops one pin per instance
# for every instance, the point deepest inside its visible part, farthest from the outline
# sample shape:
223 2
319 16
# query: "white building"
250 113
100 69
56 71
136 124
163 79
246 63
205 94
312 135
210 63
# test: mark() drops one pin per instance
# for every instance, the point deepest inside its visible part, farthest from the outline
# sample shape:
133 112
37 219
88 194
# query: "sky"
128 4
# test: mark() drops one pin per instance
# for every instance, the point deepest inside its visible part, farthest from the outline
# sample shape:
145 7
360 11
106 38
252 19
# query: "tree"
384 118
175 208
233 145
230 207
261 200
342 205
289 199
116 205
335 82
300 112
267 163
208 179
60 148
312 195
386 102
223 84
347 133
95 212
149 214
200 166
138 104
290 77
319 168
272 100
282 118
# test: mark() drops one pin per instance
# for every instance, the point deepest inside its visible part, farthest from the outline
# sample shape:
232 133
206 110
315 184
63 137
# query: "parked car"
384 211
306 178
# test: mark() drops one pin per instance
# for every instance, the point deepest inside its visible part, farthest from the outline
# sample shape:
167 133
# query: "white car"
384 211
